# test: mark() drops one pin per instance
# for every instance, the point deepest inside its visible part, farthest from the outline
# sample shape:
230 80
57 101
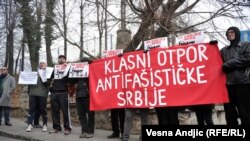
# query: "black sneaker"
37 126
8 124
113 136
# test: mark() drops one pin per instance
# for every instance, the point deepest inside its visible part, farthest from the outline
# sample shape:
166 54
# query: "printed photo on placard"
61 71
110 53
79 70
156 43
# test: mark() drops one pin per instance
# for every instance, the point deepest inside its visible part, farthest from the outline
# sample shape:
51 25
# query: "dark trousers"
204 114
167 115
37 116
59 101
37 103
239 101
117 120
86 117
6 111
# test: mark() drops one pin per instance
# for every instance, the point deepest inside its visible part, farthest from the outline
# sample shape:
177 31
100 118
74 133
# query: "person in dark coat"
236 59
7 86
59 101
86 117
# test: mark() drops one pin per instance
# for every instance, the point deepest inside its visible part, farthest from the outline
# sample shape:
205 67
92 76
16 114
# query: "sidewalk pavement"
18 131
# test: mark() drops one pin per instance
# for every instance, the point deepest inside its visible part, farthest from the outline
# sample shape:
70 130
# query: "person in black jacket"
59 100
236 58
86 117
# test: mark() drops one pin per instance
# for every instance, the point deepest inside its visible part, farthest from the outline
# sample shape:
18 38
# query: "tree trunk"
81 24
64 28
17 59
49 30
11 52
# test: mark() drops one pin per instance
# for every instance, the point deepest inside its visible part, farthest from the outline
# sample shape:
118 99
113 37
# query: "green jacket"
40 89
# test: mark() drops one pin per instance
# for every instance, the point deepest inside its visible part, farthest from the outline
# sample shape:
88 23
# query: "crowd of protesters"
235 56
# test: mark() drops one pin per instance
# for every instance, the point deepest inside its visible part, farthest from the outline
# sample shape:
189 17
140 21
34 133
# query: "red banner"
177 76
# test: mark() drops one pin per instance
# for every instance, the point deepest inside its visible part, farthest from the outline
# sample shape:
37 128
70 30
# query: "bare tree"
31 25
167 17
10 24
100 17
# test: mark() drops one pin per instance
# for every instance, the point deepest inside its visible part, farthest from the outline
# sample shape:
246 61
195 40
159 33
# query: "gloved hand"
213 42
145 51
90 61
120 54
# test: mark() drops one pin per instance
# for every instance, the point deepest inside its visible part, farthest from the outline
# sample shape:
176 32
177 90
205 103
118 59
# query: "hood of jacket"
237 35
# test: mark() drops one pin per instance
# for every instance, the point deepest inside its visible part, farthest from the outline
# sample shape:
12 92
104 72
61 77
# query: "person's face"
42 65
61 60
231 35
4 70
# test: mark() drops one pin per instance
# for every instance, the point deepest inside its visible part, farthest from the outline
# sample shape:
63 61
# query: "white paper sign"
110 53
28 78
61 71
49 71
155 43
42 73
79 70
192 38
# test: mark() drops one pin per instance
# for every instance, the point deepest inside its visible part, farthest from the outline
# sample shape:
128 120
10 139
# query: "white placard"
61 71
192 38
42 73
155 43
110 53
49 71
28 78
79 70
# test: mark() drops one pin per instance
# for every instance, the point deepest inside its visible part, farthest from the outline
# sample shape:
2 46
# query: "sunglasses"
2 69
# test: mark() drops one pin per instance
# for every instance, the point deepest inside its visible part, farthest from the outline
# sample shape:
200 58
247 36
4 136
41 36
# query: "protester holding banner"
86 117
59 99
38 99
236 58
129 116
117 122
7 86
